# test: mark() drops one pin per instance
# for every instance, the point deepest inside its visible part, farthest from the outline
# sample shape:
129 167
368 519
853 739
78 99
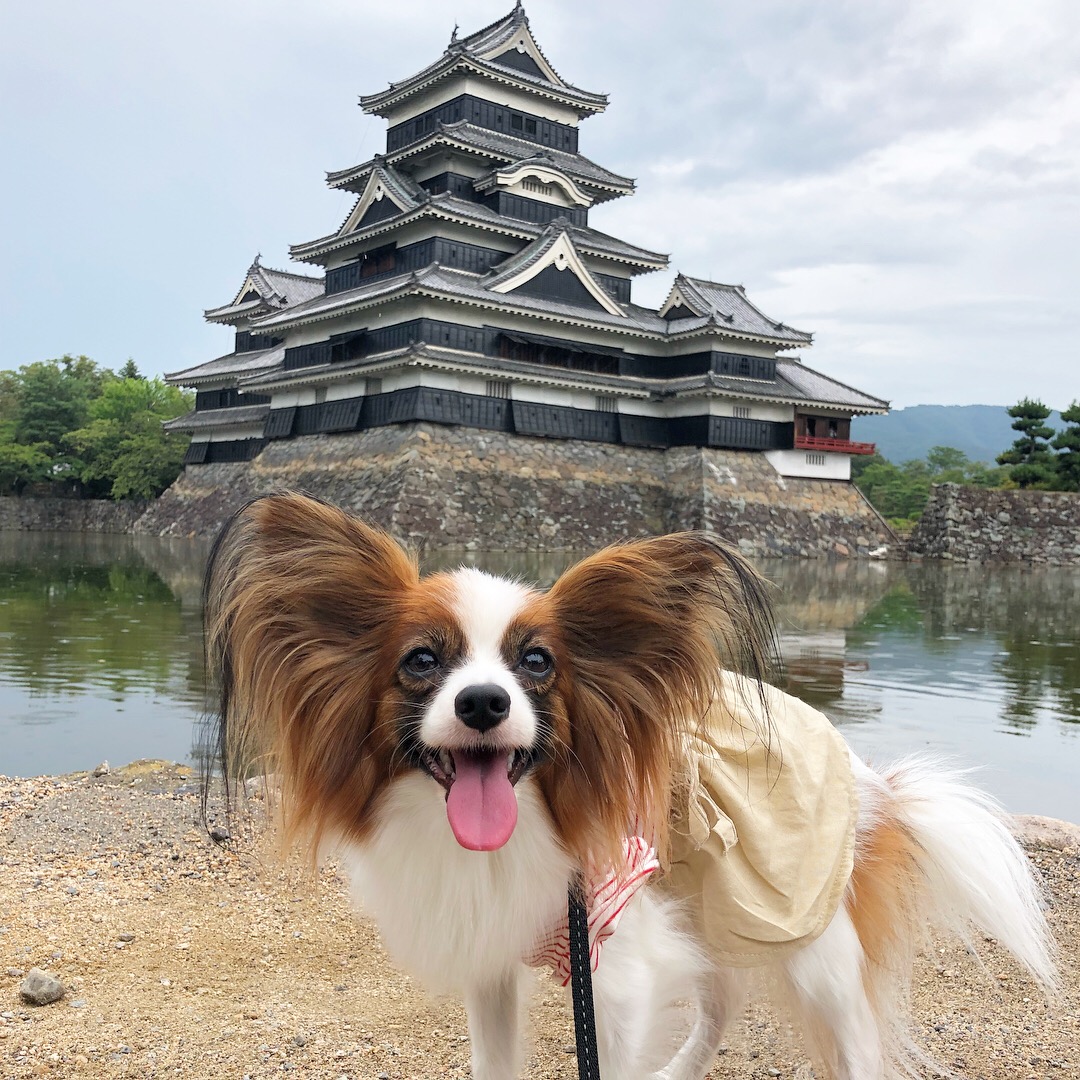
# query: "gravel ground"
182 958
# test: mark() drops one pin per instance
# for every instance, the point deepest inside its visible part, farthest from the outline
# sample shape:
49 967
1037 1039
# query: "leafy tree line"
1040 458
72 426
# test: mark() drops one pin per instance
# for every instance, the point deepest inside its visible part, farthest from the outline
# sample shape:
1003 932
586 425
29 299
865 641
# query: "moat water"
101 658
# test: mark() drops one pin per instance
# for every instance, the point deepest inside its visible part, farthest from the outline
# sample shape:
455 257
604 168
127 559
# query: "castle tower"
469 285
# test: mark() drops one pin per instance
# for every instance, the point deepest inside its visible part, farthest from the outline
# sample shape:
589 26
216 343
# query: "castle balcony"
833 444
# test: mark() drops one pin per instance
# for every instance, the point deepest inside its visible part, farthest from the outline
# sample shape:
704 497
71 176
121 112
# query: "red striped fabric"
608 895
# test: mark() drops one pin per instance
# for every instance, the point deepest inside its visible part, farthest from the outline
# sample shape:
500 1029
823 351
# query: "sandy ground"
181 958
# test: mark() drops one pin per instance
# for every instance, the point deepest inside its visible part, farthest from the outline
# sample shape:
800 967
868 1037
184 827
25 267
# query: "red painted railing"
837 446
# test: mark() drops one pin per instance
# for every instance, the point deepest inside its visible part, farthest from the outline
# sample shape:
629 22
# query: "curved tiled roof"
500 147
728 307
275 289
199 419
232 364
475 50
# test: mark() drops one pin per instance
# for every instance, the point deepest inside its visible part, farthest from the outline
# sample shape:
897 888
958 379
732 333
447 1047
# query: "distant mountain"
981 431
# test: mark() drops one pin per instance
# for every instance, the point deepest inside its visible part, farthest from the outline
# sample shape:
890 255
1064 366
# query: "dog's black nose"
482 707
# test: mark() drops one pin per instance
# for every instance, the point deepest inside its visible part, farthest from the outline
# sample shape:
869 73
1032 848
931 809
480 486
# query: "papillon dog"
472 747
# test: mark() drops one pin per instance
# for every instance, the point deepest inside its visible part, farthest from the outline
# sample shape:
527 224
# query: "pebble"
41 988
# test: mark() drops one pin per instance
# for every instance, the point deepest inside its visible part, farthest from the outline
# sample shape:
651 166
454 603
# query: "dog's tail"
932 851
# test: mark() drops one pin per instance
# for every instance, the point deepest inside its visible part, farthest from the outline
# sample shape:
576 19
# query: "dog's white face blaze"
485 607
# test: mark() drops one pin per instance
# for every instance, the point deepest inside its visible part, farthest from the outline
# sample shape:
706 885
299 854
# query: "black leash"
581 987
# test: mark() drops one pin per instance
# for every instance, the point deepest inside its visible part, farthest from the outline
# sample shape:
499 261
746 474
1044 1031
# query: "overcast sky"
901 177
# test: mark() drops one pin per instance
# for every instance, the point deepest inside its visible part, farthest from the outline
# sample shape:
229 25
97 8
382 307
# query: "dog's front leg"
494 1029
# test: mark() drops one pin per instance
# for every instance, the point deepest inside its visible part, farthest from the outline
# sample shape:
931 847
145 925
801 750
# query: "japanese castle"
469 286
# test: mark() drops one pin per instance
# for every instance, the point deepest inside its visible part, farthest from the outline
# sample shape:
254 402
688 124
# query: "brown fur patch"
883 897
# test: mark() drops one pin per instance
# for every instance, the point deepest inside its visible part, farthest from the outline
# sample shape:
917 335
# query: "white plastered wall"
807 463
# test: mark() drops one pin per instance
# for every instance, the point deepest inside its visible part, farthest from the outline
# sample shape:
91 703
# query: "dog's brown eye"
421 662
537 662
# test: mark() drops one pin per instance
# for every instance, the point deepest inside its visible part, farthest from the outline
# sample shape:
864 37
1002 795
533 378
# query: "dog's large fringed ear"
647 627
297 599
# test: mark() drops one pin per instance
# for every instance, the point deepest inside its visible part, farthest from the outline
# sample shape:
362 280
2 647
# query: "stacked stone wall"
461 488
971 524
28 514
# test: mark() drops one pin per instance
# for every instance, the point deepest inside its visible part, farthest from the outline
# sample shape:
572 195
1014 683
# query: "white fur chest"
457 918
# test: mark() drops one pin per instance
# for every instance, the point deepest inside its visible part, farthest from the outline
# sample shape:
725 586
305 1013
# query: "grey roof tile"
275 288
817 387
201 419
729 306
225 366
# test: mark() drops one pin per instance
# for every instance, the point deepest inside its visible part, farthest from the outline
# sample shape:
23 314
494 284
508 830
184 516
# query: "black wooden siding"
246 341
618 287
436 406
485 114
561 285
521 417
279 423
520 61
561 422
533 210
229 398
457 184
380 210
207 453
759 368
403 260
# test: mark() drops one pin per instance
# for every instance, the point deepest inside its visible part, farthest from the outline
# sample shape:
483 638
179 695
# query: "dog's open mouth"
481 804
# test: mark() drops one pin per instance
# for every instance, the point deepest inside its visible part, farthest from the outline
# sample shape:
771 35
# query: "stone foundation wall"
462 488
69 515
971 524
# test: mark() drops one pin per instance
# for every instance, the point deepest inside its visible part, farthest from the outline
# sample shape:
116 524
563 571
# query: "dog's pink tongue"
481 804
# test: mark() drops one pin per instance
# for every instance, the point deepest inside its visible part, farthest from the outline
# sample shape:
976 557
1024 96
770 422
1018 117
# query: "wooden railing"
837 446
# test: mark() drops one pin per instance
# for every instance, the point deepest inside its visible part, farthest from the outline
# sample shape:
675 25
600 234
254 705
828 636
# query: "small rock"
219 834
15 973
102 769
125 937
41 988
299 1040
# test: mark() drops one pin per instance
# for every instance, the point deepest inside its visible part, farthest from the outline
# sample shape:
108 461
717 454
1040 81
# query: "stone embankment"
971 524
69 515
462 488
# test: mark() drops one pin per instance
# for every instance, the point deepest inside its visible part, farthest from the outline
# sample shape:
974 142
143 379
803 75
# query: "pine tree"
1034 463
1067 443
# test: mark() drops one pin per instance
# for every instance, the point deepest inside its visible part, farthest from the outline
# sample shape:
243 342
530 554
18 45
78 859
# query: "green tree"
947 459
129 370
50 404
1067 443
21 464
123 451
897 492
1030 456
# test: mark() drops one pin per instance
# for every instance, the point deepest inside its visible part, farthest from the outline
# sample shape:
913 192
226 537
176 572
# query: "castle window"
741 412
815 459
606 403
499 388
